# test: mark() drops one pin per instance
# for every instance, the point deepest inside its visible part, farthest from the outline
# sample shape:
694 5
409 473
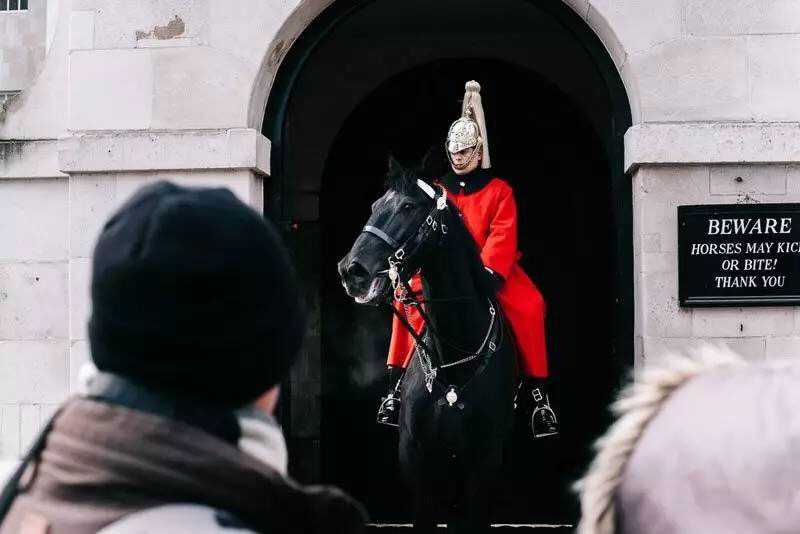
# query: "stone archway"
351 52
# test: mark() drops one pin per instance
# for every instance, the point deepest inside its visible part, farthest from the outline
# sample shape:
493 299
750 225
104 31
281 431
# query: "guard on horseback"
488 209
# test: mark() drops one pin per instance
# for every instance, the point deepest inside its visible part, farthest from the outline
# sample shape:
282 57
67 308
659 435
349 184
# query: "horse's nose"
356 274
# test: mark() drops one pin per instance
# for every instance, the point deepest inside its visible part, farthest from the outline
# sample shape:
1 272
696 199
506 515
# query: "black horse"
458 391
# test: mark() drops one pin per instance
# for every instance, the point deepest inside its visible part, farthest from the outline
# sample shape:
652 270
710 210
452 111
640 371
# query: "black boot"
389 409
533 400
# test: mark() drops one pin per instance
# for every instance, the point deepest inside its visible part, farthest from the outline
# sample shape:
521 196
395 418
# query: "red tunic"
490 215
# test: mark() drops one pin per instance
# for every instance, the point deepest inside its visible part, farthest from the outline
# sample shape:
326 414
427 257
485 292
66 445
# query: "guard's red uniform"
490 214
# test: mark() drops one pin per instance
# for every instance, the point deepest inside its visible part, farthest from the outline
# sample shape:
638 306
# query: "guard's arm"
500 250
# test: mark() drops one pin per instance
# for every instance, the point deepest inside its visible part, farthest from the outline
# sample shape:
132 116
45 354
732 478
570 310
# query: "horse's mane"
404 179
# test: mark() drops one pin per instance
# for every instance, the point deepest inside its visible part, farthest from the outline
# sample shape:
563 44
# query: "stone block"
79 354
137 151
238 181
200 88
33 371
659 192
638 355
249 149
29 158
748 179
659 262
638 24
775 321
743 322
774 77
128 183
32 215
718 322
241 27
110 90
30 416
793 182
737 17
7 468
33 301
783 347
9 432
46 412
120 24
604 29
651 243
694 143
81 30
662 315
80 276
92 200
694 79
658 350
749 348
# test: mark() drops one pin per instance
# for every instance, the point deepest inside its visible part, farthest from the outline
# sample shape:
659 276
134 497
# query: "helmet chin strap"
469 161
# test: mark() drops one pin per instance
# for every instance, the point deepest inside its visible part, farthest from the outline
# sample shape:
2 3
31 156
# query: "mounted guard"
489 212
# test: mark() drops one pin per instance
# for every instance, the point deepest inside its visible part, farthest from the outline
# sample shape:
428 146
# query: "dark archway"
556 119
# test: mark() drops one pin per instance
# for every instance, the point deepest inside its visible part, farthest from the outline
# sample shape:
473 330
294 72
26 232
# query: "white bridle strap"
427 188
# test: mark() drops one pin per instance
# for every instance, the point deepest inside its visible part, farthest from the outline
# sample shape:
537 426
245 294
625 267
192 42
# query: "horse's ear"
432 163
395 167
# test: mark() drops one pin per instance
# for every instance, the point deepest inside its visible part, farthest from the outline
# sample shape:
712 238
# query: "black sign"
739 255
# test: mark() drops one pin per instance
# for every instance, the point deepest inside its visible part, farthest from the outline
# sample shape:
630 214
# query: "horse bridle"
402 252
398 263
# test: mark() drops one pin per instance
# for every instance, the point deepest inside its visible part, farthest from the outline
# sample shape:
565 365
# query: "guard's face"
465 161
364 270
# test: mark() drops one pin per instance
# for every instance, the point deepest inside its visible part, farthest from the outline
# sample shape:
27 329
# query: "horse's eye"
408 206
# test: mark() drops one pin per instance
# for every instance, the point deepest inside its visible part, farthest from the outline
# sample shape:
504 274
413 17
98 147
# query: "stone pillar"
105 169
34 293
686 164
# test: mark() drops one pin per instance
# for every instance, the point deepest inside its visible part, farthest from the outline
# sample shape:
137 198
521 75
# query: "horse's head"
397 229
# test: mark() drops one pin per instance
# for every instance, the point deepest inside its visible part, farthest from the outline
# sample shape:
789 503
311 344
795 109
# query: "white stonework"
22 45
131 92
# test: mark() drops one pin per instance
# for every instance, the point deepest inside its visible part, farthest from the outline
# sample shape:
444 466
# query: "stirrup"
389 410
543 419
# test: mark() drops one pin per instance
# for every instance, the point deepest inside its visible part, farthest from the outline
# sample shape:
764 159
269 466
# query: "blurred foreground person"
703 445
196 318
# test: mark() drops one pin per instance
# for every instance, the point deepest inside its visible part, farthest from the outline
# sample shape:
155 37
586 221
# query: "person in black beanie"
188 287
197 316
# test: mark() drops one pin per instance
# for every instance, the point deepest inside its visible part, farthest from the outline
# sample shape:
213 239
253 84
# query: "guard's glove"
389 409
533 401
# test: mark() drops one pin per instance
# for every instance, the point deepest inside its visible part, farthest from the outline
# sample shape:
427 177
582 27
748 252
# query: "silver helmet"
469 131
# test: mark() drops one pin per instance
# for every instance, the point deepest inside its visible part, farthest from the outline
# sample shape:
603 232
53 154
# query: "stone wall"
23 40
663 326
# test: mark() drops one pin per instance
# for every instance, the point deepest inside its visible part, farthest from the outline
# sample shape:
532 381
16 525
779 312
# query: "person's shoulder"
178 519
500 186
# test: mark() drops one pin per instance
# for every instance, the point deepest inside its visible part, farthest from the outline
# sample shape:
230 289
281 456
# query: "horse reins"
405 296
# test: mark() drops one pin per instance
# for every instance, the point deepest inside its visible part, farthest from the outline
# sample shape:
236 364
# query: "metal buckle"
492 346
399 253
537 394
429 220
444 228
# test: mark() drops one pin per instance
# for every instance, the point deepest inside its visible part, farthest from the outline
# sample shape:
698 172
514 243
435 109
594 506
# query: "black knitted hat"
193 292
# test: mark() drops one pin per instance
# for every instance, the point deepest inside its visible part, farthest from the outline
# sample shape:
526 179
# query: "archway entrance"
381 81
